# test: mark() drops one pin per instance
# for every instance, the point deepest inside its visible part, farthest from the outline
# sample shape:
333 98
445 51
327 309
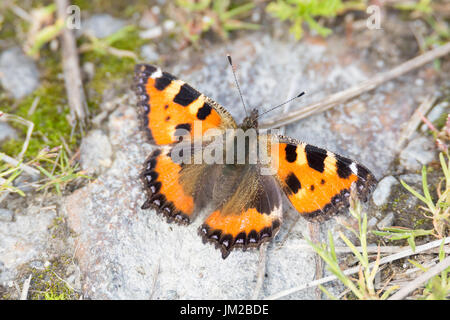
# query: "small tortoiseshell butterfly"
245 205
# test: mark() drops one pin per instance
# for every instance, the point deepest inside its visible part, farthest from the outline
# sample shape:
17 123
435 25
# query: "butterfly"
244 206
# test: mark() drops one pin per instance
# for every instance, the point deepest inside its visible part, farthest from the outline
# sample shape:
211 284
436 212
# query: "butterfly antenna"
282 104
237 83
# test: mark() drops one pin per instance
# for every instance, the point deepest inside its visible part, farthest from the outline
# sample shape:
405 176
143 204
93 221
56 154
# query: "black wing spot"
162 83
186 95
343 166
204 111
293 183
316 157
291 152
185 126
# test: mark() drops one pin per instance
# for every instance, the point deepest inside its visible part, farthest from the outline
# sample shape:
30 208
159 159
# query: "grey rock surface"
126 252
6 132
6 215
95 152
382 192
23 240
387 221
149 53
18 73
411 178
435 113
101 25
417 153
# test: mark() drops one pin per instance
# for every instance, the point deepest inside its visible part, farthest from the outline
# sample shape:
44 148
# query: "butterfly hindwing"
317 182
249 217
165 193
169 104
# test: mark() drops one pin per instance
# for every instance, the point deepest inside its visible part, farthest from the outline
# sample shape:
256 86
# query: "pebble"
149 18
37 264
411 178
6 215
151 33
24 182
418 152
435 114
18 73
382 192
149 53
95 152
372 222
102 25
169 25
6 132
89 69
387 221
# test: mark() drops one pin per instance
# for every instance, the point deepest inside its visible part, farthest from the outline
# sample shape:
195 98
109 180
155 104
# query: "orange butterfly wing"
317 182
169 104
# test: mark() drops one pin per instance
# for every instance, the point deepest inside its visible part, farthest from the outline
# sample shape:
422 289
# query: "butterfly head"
251 121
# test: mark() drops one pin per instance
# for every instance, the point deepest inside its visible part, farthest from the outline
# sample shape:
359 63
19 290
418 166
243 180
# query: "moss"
7 30
50 117
47 284
112 71
59 229
124 9
440 122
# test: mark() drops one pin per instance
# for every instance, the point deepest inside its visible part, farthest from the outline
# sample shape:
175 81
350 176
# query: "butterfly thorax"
251 121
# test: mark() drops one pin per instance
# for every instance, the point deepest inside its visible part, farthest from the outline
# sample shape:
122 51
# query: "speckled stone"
418 152
383 191
101 25
18 73
95 152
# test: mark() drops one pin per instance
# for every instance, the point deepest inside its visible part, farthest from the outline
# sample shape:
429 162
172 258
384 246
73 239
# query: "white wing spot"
354 168
156 74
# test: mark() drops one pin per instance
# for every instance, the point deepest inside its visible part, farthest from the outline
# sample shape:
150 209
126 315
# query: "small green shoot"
66 172
438 287
43 28
220 16
54 296
7 177
44 36
61 173
300 11
106 45
363 287
400 233
423 9
423 6
437 211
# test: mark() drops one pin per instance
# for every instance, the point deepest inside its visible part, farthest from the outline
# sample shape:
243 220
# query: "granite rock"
95 152
23 240
102 25
18 73
382 192
419 151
